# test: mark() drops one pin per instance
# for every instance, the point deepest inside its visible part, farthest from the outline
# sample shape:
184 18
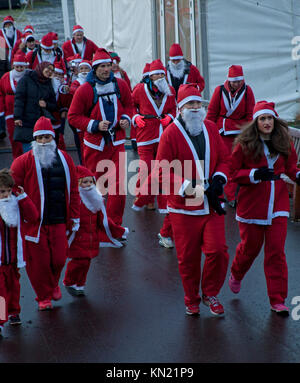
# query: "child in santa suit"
84 245
263 152
13 208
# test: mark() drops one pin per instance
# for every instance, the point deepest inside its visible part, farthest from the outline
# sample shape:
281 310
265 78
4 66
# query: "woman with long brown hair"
262 153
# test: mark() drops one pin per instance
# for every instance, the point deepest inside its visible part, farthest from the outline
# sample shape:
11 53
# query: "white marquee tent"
261 35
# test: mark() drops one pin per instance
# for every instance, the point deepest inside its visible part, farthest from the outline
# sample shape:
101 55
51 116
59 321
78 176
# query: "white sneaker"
165 241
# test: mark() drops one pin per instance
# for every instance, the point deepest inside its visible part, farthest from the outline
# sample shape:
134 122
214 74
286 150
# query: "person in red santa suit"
45 52
155 107
79 45
63 100
48 176
117 70
181 71
26 44
145 79
230 107
264 151
193 202
8 84
84 244
102 107
14 207
9 35
84 68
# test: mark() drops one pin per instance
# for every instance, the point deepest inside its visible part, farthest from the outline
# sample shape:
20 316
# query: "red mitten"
139 120
166 121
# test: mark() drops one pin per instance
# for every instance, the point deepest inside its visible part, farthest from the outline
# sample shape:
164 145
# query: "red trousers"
109 168
193 235
17 149
10 290
275 266
147 154
76 271
230 187
166 229
46 259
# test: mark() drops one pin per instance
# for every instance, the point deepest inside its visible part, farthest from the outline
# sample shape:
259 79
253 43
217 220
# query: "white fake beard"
163 86
178 69
104 89
80 47
50 57
193 119
46 153
91 198
17 75
9 32
9 209
56 83
81 78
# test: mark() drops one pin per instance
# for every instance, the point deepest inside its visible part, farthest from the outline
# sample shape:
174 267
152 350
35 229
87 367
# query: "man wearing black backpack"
181 71
102 107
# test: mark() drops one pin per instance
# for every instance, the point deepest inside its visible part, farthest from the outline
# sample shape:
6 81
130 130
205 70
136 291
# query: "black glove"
217 184
298 180
264 174
2 128
215 202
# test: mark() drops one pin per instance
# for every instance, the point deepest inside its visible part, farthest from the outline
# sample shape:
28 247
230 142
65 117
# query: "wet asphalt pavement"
134 312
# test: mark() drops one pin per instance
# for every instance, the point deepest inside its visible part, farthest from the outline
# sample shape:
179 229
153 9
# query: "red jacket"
8 47
26 172
229 116
87 238
145 104
175 145
34 61
7 95
260 201
89 49
12 252
82 113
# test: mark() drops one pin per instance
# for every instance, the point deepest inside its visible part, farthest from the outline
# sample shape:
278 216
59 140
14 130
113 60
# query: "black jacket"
28 93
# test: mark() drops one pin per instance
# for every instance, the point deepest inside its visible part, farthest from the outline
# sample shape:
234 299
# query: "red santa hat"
101 56
188 92
146 70
235 73
77 28
76 58
54 36
28 28
8 19
175 52
27 36
43 126
264 107
58 67
47 42
83 172
86 62
157 67
20 59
